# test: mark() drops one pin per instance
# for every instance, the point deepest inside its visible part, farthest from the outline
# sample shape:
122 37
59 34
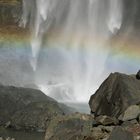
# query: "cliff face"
10 12
115 95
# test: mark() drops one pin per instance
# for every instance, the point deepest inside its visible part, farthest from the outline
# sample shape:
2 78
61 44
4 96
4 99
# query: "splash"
74 32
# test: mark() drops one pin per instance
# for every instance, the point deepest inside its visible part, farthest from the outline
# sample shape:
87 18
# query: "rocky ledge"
115 114
10 12
28 109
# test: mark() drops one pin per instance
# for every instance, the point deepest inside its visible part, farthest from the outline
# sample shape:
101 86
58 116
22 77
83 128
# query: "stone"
134 129
106 120
72 127
132 112
8 138
119 133
107 129
97 133
115 95
138 75
139 118
11 11
7 124
136 137
129 123
95 123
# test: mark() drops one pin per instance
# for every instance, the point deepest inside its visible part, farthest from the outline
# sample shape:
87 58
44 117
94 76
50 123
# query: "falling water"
70 62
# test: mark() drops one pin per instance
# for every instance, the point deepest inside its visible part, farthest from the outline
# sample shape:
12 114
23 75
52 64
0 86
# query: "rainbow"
124 50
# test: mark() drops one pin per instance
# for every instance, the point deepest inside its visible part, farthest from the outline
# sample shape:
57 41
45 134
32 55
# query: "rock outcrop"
27 109
74 127
116 114
115 95
10 12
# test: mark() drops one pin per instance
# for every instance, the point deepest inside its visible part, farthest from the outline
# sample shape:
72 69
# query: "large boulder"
70 127
120 133
115 95
24 108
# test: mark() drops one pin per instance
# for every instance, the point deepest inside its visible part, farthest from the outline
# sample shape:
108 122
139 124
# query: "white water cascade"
69 44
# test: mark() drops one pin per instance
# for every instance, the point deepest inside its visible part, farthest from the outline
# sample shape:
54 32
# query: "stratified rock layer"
115 95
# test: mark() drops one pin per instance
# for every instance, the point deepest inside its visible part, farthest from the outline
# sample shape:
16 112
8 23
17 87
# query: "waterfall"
67 41
115 15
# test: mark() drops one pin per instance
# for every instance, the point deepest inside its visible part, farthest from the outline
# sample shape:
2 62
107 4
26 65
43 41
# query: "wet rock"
106 120
138 75
115 95
30 109
120 133
132 112
70 127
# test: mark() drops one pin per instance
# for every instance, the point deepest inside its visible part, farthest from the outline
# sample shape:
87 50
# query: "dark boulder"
25 108
120 133
115 95
138 75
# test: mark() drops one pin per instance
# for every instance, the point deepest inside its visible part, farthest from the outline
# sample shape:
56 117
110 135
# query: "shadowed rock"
138 75
30 109
115 95
10 12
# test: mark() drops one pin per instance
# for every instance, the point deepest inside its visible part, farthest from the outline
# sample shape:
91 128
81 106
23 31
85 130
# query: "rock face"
23 108
117 114
115 95
10 11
